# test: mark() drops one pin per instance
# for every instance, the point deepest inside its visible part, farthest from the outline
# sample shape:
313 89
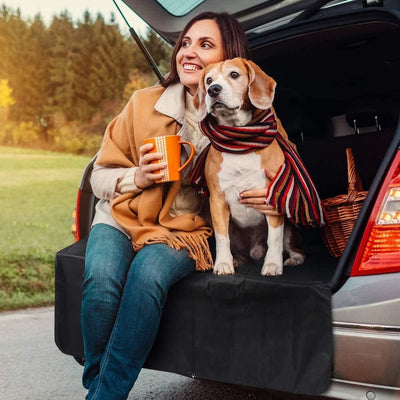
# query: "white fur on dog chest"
240 172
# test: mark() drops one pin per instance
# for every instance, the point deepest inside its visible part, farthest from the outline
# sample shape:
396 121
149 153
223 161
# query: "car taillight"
379 251
75 227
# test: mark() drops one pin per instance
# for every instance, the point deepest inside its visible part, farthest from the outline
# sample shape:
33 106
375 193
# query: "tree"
159 50
19 66
61 34
6 99
36 71
77 72
4 41
111 64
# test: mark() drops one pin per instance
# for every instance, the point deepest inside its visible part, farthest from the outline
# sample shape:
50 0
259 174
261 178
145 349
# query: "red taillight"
379 251
75 227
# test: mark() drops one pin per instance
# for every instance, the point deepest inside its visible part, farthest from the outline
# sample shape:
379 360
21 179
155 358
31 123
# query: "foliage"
137 80
38 190
81 70
6 98
21 134
70 138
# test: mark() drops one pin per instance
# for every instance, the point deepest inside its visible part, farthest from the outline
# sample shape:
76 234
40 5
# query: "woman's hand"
145 176
256 199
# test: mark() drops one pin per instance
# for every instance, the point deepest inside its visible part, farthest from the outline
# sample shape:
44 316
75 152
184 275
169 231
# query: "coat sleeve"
114 168
109 182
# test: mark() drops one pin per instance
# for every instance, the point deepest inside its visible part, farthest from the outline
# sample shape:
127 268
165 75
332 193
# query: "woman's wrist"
127 183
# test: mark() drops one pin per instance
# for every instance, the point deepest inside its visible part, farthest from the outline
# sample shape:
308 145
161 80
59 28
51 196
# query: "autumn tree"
61 77
6 99
71 73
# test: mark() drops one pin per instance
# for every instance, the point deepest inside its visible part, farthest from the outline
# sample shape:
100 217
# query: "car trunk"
338 87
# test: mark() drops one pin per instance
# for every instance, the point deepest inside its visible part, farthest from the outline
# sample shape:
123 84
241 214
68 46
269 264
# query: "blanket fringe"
195 243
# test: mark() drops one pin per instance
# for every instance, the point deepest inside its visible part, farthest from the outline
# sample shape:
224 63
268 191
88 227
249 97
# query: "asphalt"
32 367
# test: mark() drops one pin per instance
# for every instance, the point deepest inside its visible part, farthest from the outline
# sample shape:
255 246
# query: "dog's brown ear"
261 86
199 100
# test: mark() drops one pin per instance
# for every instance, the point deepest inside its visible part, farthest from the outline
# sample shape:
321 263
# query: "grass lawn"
37 196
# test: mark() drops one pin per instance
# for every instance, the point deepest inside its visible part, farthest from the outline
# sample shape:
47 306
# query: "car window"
179 8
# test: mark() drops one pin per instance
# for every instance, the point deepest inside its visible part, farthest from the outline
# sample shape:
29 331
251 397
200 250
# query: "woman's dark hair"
234 40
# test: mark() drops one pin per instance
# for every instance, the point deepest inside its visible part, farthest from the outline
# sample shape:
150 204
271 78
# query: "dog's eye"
234 75
208 81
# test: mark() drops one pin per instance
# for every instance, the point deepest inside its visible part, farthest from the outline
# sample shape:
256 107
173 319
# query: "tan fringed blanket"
146 215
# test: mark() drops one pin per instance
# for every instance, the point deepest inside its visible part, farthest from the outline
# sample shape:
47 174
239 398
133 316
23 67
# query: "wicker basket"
342 210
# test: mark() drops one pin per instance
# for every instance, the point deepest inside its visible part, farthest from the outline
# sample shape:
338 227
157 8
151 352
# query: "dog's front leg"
273 262
220 218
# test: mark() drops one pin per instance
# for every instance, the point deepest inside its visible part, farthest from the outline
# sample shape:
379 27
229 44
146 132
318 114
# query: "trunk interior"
337 87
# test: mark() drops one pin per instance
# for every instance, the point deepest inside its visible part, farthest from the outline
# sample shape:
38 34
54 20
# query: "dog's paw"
224 268
294 260
272 269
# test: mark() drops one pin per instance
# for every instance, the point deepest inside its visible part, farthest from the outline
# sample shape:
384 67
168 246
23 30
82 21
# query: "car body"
337 67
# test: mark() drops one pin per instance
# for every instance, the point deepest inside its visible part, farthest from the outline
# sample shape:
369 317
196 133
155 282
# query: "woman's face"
202 45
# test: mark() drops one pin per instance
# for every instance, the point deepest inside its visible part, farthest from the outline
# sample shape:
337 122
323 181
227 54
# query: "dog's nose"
214 90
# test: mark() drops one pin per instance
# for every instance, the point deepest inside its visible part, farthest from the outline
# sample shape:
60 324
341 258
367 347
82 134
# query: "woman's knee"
104 274
160 266
108 257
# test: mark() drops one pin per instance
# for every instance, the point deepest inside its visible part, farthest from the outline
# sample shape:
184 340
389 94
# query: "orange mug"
170 147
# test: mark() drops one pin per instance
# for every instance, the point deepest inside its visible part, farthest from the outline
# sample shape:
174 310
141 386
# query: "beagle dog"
230 91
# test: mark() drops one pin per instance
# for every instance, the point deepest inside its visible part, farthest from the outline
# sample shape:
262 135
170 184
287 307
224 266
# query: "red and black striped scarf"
292 191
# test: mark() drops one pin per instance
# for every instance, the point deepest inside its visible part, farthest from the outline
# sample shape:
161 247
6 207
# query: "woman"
147 236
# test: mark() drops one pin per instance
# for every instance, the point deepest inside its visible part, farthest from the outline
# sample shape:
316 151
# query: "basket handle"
354 179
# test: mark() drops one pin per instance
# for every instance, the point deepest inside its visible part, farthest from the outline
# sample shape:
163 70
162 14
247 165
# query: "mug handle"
190 156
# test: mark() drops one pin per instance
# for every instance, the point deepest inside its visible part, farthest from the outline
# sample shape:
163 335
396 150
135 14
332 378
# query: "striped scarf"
292 191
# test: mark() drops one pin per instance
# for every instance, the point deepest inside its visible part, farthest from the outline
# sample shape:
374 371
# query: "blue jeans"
123 297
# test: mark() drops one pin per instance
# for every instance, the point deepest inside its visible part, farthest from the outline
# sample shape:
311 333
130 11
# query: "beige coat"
146 216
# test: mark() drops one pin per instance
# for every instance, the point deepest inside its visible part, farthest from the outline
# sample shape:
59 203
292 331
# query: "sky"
76 8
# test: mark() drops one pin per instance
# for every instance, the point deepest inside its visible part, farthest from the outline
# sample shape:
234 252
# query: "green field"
37 196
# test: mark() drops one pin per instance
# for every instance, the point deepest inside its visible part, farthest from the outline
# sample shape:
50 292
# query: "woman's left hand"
256 199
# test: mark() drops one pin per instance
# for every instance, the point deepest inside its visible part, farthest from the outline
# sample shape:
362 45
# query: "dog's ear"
199 100
261 86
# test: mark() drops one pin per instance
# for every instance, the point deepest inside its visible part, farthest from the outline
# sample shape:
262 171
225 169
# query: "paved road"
31 367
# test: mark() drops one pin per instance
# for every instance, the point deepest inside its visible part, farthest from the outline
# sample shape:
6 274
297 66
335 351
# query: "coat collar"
172 102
